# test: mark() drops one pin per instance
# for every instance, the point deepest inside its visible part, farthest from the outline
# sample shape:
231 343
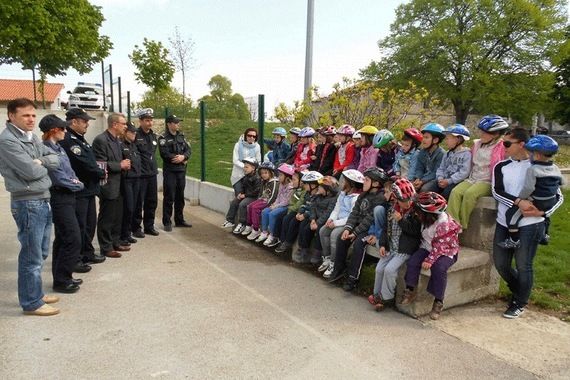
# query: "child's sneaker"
283 247
227 224
270 239
246 231
350 284
239 229
409 297
436 309
329 271
513 311
254 234
545 240
509 243
325 265
376 302
274 243
262 237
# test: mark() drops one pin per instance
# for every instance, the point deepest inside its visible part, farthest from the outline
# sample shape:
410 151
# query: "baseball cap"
131 127
51 121
173 119
78 113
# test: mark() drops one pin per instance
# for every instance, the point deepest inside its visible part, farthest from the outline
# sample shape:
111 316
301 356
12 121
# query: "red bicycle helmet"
414 134
431 202
403 189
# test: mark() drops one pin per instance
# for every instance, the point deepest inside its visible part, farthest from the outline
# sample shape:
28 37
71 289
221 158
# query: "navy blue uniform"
147 199
130 189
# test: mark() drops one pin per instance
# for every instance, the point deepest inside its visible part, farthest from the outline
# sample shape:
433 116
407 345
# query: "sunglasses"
508 144
254 136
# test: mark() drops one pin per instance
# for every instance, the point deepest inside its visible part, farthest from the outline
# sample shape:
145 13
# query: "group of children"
362 188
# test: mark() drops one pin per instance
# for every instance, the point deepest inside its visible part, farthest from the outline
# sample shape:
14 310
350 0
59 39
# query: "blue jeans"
33 219
379 222
519 279
269 219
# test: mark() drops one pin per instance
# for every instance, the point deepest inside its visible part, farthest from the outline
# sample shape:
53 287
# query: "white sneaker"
325 265
253 235
329 271
239 228
246 231
227 224
270 239
262 237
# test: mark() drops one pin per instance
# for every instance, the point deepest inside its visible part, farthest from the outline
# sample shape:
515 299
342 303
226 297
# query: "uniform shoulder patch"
76 149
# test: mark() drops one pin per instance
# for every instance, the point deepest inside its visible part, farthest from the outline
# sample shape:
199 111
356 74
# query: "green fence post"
129 106
261 121
202 141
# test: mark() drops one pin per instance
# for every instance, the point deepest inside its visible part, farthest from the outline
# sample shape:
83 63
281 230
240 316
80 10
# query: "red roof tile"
18 88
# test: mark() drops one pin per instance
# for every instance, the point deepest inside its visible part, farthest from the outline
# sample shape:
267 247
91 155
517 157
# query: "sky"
258 44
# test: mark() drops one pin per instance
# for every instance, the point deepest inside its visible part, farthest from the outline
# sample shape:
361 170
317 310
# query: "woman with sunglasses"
486 153
246 146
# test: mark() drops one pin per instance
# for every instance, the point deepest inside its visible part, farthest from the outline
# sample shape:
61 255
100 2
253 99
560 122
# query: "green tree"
169 97
220 88
561 93
222 103
154 67
52 36
465 50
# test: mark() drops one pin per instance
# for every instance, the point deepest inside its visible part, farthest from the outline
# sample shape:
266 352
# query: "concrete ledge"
482 222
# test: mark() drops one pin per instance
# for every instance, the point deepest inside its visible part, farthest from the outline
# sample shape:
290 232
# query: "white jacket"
242 149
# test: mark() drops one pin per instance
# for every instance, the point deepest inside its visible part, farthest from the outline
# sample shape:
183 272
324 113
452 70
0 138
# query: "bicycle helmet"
356 135
287 169
329 183
251 160
368 130
435 129
295 131
382 138
492 123
307 132
346 130
414 134
431 202
266 165
376 174
458 130
403 189
354 175
311 176
279 131
543 144
328 131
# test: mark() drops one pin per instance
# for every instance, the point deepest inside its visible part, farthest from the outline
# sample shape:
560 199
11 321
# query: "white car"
87 96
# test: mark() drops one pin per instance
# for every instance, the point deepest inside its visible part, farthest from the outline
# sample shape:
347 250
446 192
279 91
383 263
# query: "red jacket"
303 155
343 157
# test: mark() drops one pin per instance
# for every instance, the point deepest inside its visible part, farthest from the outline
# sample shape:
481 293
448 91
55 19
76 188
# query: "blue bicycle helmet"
267 165
307 132
458 130
279 131
434 129
543 144
492 123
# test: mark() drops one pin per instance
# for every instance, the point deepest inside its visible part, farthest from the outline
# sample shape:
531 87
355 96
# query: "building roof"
20 88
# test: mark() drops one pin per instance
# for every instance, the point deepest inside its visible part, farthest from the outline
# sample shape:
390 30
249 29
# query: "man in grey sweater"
24 164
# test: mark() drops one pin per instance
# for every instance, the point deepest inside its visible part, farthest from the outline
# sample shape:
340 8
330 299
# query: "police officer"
175 152
85 166
131 179
146 141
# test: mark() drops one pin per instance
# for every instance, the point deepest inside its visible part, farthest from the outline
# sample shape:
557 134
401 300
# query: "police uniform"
174 175
130 187
85 166
147 199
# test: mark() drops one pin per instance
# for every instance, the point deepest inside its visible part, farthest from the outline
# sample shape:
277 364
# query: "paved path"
200 303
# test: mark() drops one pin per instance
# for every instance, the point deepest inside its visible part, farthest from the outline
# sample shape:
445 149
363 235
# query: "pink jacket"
445 241
368 157
497 155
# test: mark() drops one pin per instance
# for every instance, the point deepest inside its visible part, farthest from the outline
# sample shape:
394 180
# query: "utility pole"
309 48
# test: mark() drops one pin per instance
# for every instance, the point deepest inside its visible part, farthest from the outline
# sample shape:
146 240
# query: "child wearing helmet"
267 195
400 236
275 211
357 140
299 211
305 149
357 226
352 181
246 146
294 143
406 154
323 159
250 185
321 206
384 142
345 150
486 152
438 250
542 184
429 157
456 163
279 146
368 153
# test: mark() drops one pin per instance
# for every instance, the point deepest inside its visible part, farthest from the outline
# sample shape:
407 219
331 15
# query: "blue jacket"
455 166
426 165
410 157
280 150
63 175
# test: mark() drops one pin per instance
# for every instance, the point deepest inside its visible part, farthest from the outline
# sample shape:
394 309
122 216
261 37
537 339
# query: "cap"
131 127
51 121
78 113
145 113
173 119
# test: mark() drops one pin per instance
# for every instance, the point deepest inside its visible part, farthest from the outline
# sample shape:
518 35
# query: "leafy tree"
466 50
220 87
52 36
561 93
182 55
222 103
154 67
169 97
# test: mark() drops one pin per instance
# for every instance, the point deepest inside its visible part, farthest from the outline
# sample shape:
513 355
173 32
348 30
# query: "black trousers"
357 257
109 223
289 228
130 195
146 202
67 242
86 213
305 234
173 188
